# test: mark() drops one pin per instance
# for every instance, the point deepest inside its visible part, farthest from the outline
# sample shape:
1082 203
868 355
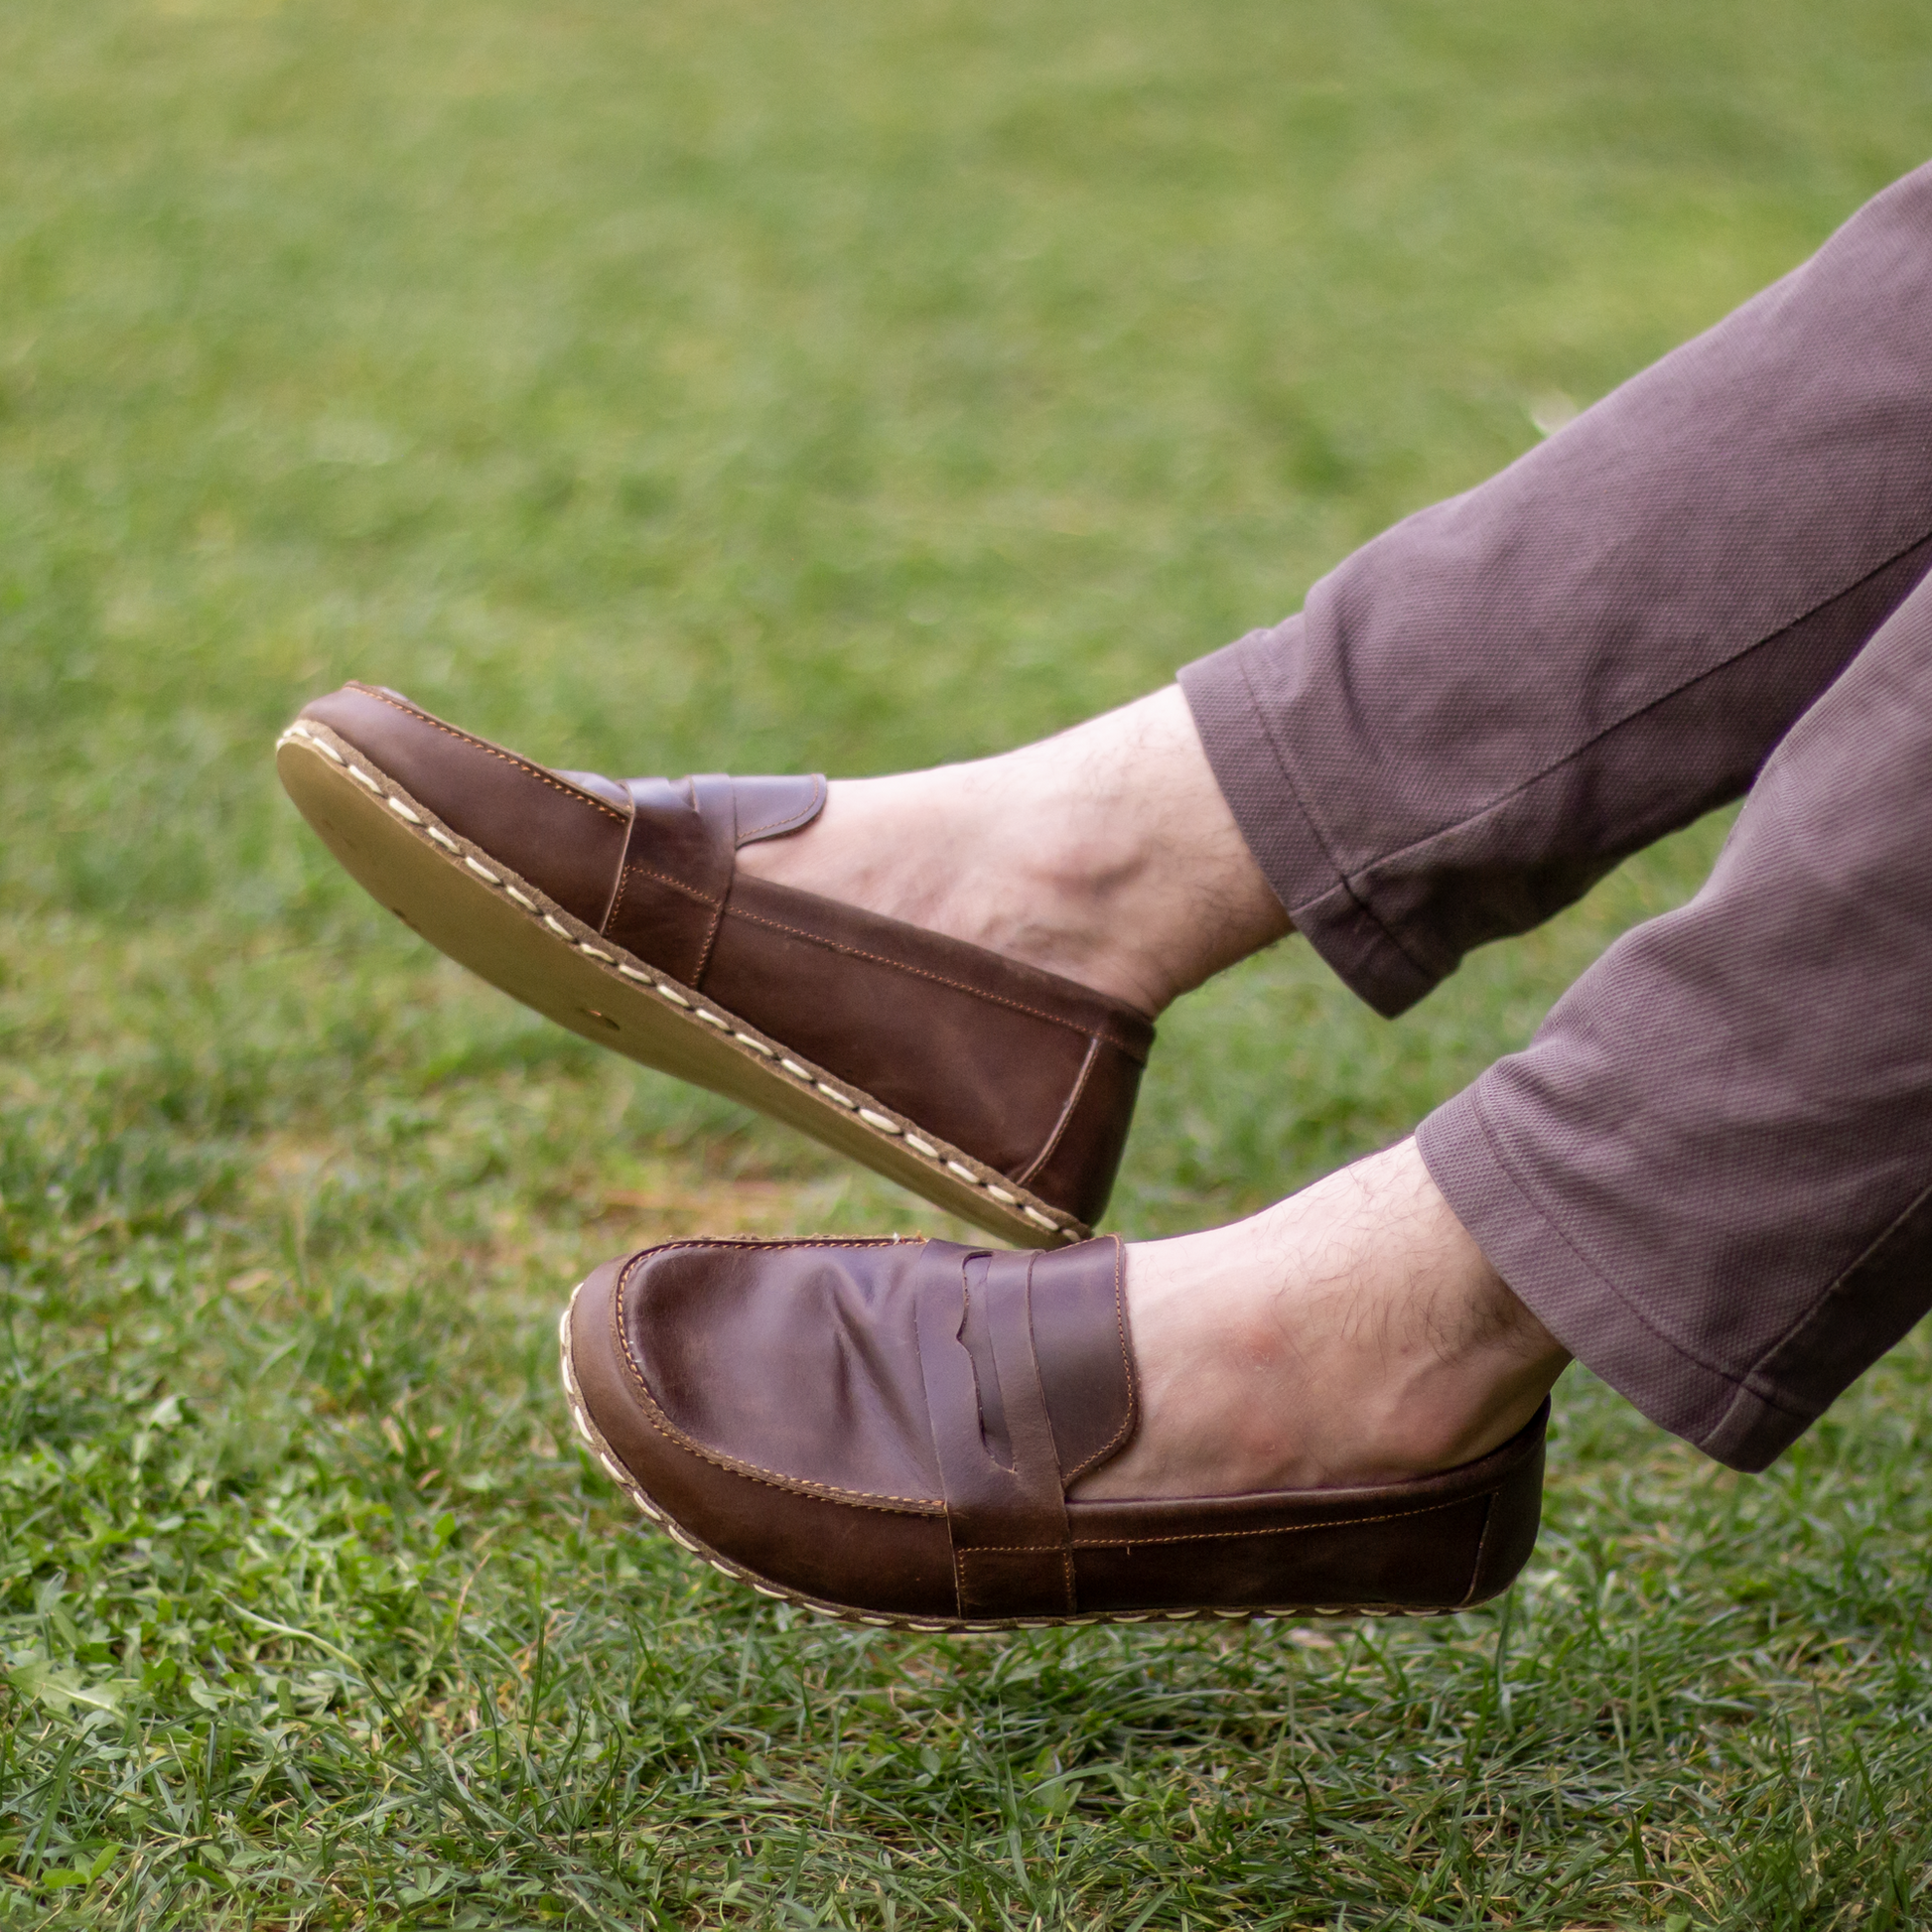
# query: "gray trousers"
1711 1173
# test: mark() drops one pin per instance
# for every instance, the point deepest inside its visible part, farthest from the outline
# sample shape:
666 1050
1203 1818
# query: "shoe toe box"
748 1397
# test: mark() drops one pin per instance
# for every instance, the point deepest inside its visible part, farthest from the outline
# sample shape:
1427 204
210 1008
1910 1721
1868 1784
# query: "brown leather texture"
889 1428
537 822
1033 1074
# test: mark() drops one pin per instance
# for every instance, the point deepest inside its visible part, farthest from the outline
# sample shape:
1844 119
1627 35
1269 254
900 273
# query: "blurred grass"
732 387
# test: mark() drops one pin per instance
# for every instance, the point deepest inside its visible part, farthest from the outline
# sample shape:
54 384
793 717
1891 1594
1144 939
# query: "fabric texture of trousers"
1710 1174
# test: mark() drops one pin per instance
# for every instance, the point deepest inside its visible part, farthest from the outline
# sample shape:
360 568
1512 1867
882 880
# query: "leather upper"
539 823
1030 1074
1028 1380
860 1325
703 1322
668 893
895 1425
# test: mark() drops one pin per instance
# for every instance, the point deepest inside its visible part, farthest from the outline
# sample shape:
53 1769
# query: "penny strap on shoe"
682 850
986 1083
769 808
1012 1553
1000 1465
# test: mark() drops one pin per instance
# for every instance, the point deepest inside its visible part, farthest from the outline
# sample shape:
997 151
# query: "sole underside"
607 1458
468 905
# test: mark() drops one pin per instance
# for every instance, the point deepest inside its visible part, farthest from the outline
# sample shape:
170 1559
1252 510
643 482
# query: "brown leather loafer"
616 908
887 1430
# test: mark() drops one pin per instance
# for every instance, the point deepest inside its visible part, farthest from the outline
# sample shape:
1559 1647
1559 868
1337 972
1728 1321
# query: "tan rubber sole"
607 1458
466 904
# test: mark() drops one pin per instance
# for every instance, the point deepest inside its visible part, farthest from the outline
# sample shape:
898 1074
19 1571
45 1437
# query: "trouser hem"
1603 1327
1257 778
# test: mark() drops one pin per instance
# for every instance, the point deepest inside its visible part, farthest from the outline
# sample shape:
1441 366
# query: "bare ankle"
1106 854
1354 1334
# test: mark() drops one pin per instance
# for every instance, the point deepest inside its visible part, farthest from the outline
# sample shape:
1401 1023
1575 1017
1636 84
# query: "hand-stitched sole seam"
932 1153
609 1460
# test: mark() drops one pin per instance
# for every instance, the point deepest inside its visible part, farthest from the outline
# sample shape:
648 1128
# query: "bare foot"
1354 1334
1106 854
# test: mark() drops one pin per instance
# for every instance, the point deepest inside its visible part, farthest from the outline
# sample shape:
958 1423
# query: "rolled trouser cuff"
1264 792
1525 1235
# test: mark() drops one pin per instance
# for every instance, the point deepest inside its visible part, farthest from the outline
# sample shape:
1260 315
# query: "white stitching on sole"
630 1487
666 991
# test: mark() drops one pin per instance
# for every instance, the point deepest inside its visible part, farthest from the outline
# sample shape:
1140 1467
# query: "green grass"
732 386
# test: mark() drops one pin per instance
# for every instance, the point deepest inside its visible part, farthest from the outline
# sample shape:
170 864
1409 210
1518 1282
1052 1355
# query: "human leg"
1708 1174
1704 1176
1352 1334
1476 716
1486 708
1106 853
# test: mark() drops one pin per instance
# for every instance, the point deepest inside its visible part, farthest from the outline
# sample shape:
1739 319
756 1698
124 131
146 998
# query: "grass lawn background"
734 387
